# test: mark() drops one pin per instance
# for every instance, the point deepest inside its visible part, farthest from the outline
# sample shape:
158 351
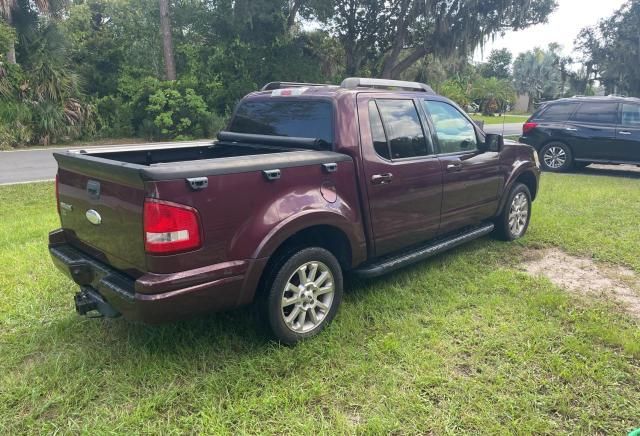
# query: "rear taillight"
528 127
169 227
58 193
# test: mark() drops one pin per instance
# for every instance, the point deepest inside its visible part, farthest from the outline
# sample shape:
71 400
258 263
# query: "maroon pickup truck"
308 181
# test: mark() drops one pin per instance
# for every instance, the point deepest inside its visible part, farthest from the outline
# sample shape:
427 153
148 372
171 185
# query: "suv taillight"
528 127
169 227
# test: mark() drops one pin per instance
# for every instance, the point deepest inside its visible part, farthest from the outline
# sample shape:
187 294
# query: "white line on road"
25 182
113 146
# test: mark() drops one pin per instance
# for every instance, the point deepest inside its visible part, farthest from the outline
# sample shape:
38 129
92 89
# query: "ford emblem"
93 217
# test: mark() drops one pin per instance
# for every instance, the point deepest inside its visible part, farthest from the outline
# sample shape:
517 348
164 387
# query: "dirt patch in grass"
584 277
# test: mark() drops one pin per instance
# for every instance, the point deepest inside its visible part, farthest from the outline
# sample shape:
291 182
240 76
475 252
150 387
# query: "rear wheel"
304 294
556 156
513 223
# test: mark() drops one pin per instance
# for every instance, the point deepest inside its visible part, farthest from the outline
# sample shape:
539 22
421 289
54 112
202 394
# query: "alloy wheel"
555 157
518 214
307 297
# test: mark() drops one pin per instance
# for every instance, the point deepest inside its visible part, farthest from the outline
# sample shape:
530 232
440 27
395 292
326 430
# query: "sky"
563 27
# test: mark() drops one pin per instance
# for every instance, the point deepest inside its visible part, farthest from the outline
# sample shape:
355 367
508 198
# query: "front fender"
519 168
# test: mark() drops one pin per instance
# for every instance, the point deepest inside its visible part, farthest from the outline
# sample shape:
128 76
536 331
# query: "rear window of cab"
286 117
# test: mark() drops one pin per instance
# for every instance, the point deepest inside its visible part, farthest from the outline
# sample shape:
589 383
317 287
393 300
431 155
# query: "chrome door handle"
381 179
457 166
571 129
625 133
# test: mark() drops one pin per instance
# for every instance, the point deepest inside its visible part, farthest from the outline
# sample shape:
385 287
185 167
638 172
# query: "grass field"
506 119
463 343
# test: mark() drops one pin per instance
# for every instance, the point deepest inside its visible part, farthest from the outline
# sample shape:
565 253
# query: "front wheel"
304 295
556 157
513 223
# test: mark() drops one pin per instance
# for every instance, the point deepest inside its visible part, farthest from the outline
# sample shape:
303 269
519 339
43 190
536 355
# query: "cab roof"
348 86
597 99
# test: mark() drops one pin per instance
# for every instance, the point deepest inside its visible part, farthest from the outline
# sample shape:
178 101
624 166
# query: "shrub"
177 114
113 117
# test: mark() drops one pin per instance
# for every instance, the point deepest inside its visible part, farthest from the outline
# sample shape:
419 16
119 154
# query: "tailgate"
101 206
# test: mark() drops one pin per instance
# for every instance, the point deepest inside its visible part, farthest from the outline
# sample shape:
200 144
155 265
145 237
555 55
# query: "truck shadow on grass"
234 335
626 171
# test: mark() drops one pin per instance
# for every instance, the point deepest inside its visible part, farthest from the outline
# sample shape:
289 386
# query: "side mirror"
492 142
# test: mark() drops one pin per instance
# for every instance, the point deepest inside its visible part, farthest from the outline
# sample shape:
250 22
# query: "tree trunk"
398 43
400 67
167 41
11 54
294 6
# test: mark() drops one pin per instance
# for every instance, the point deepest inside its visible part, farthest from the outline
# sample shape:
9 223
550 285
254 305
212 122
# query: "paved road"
38 165
509 129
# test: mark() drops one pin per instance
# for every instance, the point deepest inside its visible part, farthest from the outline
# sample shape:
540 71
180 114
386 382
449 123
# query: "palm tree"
7 7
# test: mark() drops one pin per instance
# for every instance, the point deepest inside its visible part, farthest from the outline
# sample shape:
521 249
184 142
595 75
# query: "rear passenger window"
557 112
597 113
403 128
377 132
631 115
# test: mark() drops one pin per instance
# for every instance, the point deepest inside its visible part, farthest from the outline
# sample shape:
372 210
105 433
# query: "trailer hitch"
87 301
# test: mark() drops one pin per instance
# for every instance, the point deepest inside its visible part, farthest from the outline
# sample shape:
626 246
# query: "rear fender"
312 218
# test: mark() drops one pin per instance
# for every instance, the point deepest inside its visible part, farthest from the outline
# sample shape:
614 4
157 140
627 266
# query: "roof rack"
279 85
362 82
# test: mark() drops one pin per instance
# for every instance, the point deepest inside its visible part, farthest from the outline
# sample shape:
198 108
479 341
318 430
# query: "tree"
386 38
498 64
167 41
7 10
535 73
492 94
611 50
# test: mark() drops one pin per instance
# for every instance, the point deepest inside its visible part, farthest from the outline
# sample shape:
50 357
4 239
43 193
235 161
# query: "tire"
518 208
312 306
556 157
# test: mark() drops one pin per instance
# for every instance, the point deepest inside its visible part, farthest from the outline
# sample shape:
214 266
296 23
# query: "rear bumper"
169 301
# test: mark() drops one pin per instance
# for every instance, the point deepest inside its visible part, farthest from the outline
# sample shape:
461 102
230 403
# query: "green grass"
506 119
463 343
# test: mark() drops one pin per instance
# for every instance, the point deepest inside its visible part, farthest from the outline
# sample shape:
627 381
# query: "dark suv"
575 132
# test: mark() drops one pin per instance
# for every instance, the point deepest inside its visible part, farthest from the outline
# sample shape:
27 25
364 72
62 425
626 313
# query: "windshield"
300 118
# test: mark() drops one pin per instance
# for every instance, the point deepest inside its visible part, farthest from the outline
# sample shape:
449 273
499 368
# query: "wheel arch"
327 236
526 175
323 227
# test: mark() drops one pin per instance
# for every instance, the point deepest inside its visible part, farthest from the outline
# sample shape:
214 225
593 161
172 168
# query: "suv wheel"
556 156
304 295
513 223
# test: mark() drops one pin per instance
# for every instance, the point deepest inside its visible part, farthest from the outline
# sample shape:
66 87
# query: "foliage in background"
498 65
611 51
471 90
493 94
535 73
105 61
41 99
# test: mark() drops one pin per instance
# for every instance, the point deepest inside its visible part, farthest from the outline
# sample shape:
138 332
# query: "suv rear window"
557 112
597 113
294 118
